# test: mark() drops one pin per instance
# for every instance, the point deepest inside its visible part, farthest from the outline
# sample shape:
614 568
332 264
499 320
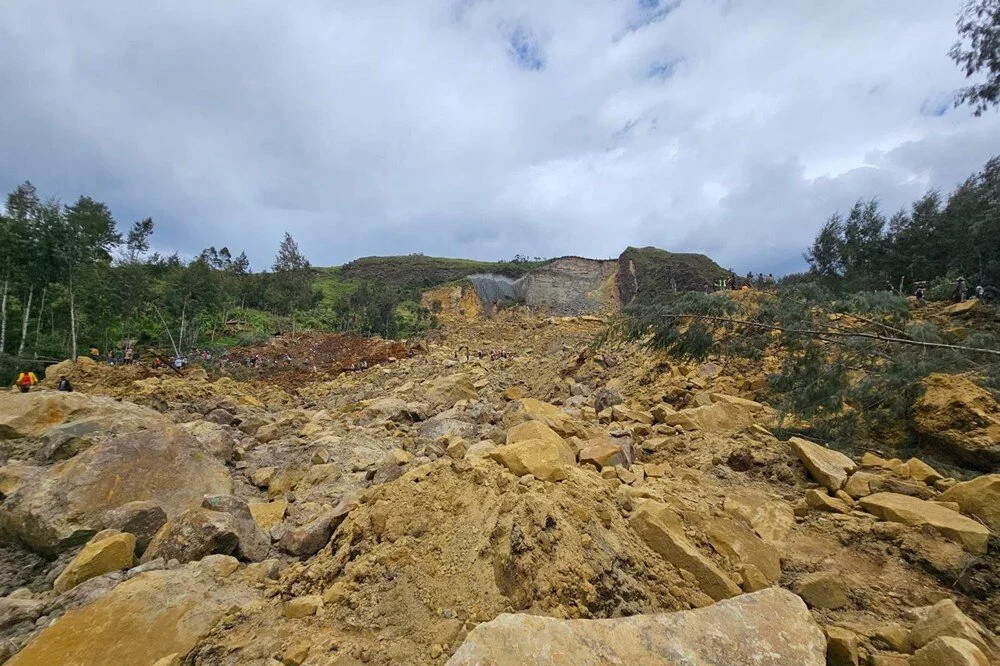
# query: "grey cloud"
482 128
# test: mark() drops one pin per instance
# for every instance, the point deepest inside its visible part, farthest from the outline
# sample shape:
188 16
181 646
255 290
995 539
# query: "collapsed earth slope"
564 498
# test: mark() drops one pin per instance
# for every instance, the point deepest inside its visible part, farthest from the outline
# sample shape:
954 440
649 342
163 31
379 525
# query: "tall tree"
977 51
292 277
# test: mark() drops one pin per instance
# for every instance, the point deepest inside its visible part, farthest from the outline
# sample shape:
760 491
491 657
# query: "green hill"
658 272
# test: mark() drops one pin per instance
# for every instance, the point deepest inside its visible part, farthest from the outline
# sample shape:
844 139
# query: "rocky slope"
559 503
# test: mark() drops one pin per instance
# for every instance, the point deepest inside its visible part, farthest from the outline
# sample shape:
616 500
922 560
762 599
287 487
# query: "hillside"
656 272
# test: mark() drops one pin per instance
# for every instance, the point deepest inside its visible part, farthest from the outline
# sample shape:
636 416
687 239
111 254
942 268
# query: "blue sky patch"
936 105
525 50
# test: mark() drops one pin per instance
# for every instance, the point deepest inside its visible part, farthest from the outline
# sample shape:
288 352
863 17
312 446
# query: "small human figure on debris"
770 280
26 380
95 354
129 353
64 385
980 293
962 290
919 293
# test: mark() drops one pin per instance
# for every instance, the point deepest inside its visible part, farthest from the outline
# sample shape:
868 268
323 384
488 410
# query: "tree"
978 51
292 277
824 255
137 240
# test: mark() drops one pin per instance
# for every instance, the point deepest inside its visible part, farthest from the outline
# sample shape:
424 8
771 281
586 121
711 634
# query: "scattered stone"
296 654
894 636
262 477
961 419
862 484
141 518
921 471
769 628
193 535
530 409
101 555
662 530
918 513
268 514
303 606
542 458
819 500
951 651
624 414
607 452
841 647
828 467
945 619
16 610
979 497
823 589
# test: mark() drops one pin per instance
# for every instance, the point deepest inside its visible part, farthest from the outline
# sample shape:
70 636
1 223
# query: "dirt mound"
961 419
291 361
451 544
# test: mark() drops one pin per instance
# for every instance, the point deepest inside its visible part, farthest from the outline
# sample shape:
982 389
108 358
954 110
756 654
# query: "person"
128 355
962 290
919 293
64 385
26 380
980 293
95 354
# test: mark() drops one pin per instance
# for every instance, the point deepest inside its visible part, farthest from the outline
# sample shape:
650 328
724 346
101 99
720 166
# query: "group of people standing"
27 379
733 283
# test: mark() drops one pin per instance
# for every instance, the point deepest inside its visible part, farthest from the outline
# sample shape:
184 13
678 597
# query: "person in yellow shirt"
26 380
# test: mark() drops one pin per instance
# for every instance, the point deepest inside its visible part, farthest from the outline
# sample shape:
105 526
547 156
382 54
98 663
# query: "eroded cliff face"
566 286
573 285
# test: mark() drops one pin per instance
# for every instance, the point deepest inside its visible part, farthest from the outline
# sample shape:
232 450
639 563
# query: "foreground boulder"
961 419
530 409
917 513
545 459
150 617
46 413
65 504
769 628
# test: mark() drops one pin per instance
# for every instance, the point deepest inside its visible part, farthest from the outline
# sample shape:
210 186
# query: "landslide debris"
510 477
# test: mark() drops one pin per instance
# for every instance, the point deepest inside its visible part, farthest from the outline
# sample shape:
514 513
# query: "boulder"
819 500
440 426
308 539
607 452
743 548
823 589
862 484
663 532
830 468
769 628
254 544
390 409
841 647
979 497
268 514
446 391
921 471
65 504
532 430
141 621
607 398
623 414
542 458
14 611
300 607
143 519
102 554
960 419
193 535
51 413
717 417
946 619
217 439
771 520
530 409
919 513
951 651
748 405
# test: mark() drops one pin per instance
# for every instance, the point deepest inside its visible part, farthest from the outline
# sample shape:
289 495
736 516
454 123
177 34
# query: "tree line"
937 239
69 281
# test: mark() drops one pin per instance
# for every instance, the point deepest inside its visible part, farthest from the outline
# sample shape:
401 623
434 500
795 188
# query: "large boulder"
663 532
961 419
769 628
717 417
604 452
946 619
47 413
65 503
919 513
254 545
446 391
979 497
530 409
827 466
142 519
151 617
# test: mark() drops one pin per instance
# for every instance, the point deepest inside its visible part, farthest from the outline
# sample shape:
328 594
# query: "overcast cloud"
483 128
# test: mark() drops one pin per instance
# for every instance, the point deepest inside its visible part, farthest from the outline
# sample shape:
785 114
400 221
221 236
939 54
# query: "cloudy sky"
486 128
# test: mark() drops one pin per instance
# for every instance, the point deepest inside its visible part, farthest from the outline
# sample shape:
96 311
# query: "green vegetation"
660 274
978 52
853 352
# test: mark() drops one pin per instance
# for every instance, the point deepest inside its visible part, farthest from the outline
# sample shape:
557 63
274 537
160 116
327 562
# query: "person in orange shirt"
26 380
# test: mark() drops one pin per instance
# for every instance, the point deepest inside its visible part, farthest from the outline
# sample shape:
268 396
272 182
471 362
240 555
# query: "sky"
486 128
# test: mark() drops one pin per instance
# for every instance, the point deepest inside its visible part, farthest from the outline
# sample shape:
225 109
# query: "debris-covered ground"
511 466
